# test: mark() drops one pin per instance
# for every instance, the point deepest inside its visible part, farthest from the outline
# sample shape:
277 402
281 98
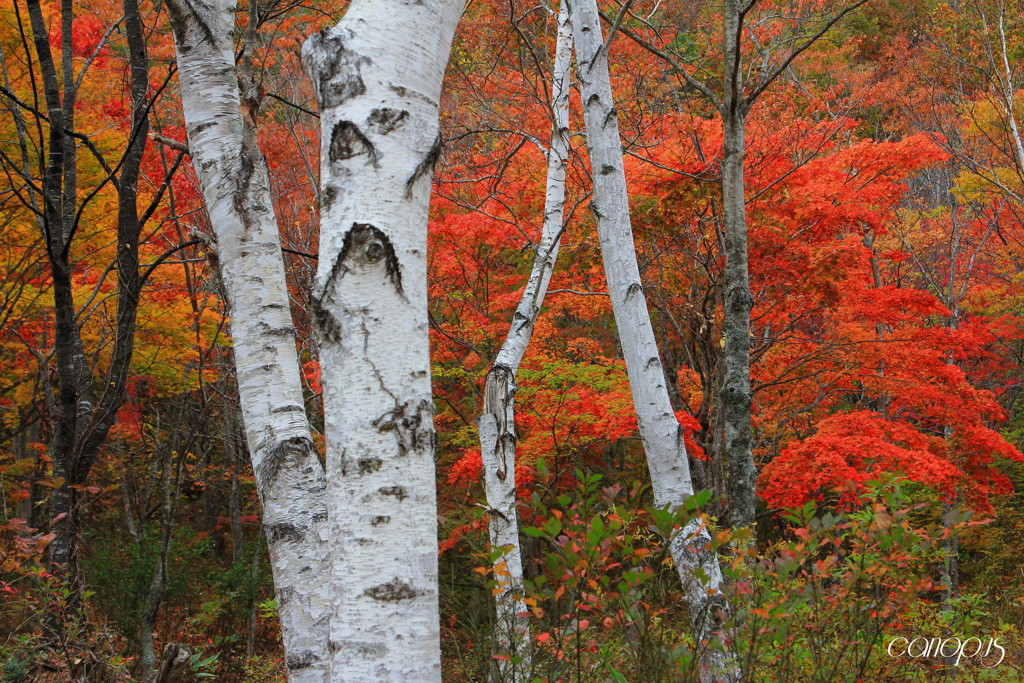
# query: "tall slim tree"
662 435
236 185
498 422
741 87
88 396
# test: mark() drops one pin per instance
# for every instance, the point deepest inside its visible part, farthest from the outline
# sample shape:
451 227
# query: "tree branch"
693 82
303 254
292 104
168 142
616 24
166 255
765 82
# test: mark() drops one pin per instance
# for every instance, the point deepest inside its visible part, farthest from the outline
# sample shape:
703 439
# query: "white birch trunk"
497 423
660 432
1010 94
236 185
377 77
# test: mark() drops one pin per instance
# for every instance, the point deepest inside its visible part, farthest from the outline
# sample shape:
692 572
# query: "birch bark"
377 76
236 185
660 432
498 422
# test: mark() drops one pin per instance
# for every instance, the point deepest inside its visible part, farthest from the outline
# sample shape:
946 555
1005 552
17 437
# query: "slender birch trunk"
1007 81
660 432
498 422
377 76
236 185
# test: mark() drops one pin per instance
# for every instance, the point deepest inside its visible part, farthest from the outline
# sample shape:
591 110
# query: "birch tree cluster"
625 340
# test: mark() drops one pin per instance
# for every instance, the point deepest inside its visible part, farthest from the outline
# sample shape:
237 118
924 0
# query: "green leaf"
616 676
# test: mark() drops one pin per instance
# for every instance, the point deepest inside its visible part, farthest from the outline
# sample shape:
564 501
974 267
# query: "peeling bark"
660 432
377 76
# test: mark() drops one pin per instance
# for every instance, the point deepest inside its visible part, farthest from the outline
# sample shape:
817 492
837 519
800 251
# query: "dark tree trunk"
79 418
736 395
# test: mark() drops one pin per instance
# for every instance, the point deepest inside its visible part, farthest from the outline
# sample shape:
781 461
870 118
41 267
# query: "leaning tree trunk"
236 185
377 77
498 422
662 435
736 395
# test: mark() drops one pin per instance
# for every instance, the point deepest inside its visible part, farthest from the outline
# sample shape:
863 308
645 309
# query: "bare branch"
766 81
168 142
292 104
615 25
692 81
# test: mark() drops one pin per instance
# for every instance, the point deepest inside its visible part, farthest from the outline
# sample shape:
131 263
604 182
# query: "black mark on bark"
285 331
182 14
411 423
328 197
369 465
362 649
393 591
301 660
385 119
347 141
197 129
425 167
290 408
398 492
333 68
291 450
246 170
363 245
366 245
327 326
285 531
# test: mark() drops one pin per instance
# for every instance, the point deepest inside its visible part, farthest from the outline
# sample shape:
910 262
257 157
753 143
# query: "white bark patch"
660 432
236 186
377 76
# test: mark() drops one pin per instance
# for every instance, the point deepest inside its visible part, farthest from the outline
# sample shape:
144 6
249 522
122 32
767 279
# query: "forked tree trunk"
236 185
498 422
661 433
83 414
377 77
